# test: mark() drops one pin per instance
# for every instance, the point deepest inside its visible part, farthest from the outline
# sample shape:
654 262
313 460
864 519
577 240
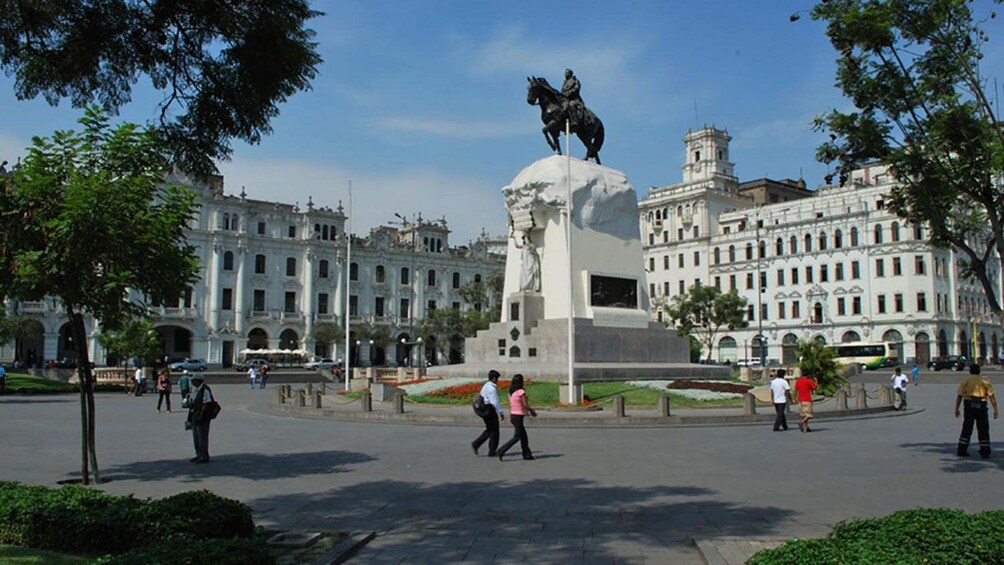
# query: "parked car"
754 362
189 365
325 364
247 364
953 362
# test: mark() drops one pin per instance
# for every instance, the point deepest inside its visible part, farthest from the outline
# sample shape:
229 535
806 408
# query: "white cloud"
468 204
456 129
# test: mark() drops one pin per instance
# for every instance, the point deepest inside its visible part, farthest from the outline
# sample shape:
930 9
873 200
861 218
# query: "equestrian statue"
558 107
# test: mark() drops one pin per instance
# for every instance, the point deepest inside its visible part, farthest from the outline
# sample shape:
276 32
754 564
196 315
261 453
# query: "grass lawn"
10 555
21 383
546 394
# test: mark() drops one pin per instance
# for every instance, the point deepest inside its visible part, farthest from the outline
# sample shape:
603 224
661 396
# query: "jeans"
975 413
780 419
491 434
519 434
164 394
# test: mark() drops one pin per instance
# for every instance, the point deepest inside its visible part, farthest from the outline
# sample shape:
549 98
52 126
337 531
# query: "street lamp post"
371 353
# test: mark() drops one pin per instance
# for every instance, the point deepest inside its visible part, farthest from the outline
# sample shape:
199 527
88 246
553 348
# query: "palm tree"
818 360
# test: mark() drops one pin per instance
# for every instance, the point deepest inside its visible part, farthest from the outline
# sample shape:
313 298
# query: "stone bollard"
399 404
323 388
861 397
287 391
310 389
301 398
618 406
277 396
367 401
885 396
749 404
840 398
317 399
663 407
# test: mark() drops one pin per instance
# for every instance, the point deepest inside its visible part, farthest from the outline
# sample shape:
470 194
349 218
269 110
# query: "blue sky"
422 105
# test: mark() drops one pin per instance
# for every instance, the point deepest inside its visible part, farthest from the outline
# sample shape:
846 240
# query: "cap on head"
974 369
493 375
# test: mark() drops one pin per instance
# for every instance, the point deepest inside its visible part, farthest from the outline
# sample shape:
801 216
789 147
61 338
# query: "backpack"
480 408
209 410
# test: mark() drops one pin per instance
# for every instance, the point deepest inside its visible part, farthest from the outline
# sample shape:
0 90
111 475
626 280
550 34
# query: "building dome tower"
707 154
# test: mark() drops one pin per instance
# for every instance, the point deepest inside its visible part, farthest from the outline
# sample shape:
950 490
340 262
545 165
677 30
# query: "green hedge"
190 551
926 535
80 520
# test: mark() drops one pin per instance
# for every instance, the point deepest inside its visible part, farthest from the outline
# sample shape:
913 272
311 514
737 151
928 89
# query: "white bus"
867 355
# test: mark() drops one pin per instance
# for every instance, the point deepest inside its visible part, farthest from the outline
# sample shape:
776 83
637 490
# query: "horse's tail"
598 138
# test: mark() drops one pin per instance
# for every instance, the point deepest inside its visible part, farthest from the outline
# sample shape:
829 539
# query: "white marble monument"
614 337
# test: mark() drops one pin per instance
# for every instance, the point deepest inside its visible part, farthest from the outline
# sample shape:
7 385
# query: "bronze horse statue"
554 111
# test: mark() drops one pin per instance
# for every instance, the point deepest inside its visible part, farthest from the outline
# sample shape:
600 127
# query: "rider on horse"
573 104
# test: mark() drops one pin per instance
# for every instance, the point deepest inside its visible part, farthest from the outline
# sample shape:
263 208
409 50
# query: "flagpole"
348 286
572 397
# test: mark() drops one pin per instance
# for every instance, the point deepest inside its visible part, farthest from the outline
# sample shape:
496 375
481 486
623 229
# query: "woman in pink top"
519 407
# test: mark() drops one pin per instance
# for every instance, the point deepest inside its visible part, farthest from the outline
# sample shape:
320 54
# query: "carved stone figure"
529 277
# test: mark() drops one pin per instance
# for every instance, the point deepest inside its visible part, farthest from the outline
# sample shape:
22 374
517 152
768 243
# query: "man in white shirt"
899 382
490 392
780 393
139 381
253 375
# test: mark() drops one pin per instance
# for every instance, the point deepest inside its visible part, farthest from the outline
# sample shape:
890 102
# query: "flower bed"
428 387
705 390
460 392
715 386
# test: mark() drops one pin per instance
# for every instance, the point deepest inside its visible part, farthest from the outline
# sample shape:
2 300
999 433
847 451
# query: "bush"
924 535
199 514
192 551
80 520
71 519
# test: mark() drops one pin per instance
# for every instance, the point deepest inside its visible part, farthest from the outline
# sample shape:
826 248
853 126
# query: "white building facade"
833 265
271 272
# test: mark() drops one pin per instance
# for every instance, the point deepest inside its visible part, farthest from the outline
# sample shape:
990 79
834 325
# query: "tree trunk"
86 393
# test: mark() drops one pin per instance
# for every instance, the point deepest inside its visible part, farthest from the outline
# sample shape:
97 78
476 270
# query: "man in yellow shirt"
975 392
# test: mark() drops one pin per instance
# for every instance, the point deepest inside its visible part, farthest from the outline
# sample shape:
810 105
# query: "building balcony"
324 317
263 315
290 316
32 308
174 313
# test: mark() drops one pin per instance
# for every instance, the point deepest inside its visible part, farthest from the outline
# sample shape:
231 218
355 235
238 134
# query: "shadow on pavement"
955 464
253 466
545 521
28 399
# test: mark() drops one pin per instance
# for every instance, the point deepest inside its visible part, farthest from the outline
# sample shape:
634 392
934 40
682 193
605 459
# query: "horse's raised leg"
555 145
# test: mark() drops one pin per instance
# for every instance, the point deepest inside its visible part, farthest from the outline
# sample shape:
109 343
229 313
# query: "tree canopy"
223 67
135 338
87 218
912 69
704 311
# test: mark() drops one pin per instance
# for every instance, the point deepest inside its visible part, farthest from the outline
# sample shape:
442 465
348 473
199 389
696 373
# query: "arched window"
379 274
665 213
822 241
854 237
918 233
226 220
808 243
732 253
228 260
651 217
322 269
838 239
717 256
679 210
817 313
850 336
234 223
290 266
779 247
895 231
324 233
749 251
762 249
878 233
793 245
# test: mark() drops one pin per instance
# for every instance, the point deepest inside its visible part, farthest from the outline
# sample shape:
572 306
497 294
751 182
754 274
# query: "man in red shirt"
803 388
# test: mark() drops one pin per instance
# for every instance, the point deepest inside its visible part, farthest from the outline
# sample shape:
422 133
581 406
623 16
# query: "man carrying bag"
201 411
489 410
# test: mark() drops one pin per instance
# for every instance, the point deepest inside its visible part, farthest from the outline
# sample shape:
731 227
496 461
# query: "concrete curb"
732 551
345 550
545 421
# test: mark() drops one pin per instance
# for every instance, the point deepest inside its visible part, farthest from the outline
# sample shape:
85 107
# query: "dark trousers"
164 394
975 411
519 434
200 437
491 434
780 419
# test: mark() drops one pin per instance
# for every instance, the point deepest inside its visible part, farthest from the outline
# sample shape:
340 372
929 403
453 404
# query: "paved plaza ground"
594 495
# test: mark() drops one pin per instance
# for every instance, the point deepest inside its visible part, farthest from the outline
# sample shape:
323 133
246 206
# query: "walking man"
974 393
185 387
781 395
899 382
253 375
803 388
490 392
